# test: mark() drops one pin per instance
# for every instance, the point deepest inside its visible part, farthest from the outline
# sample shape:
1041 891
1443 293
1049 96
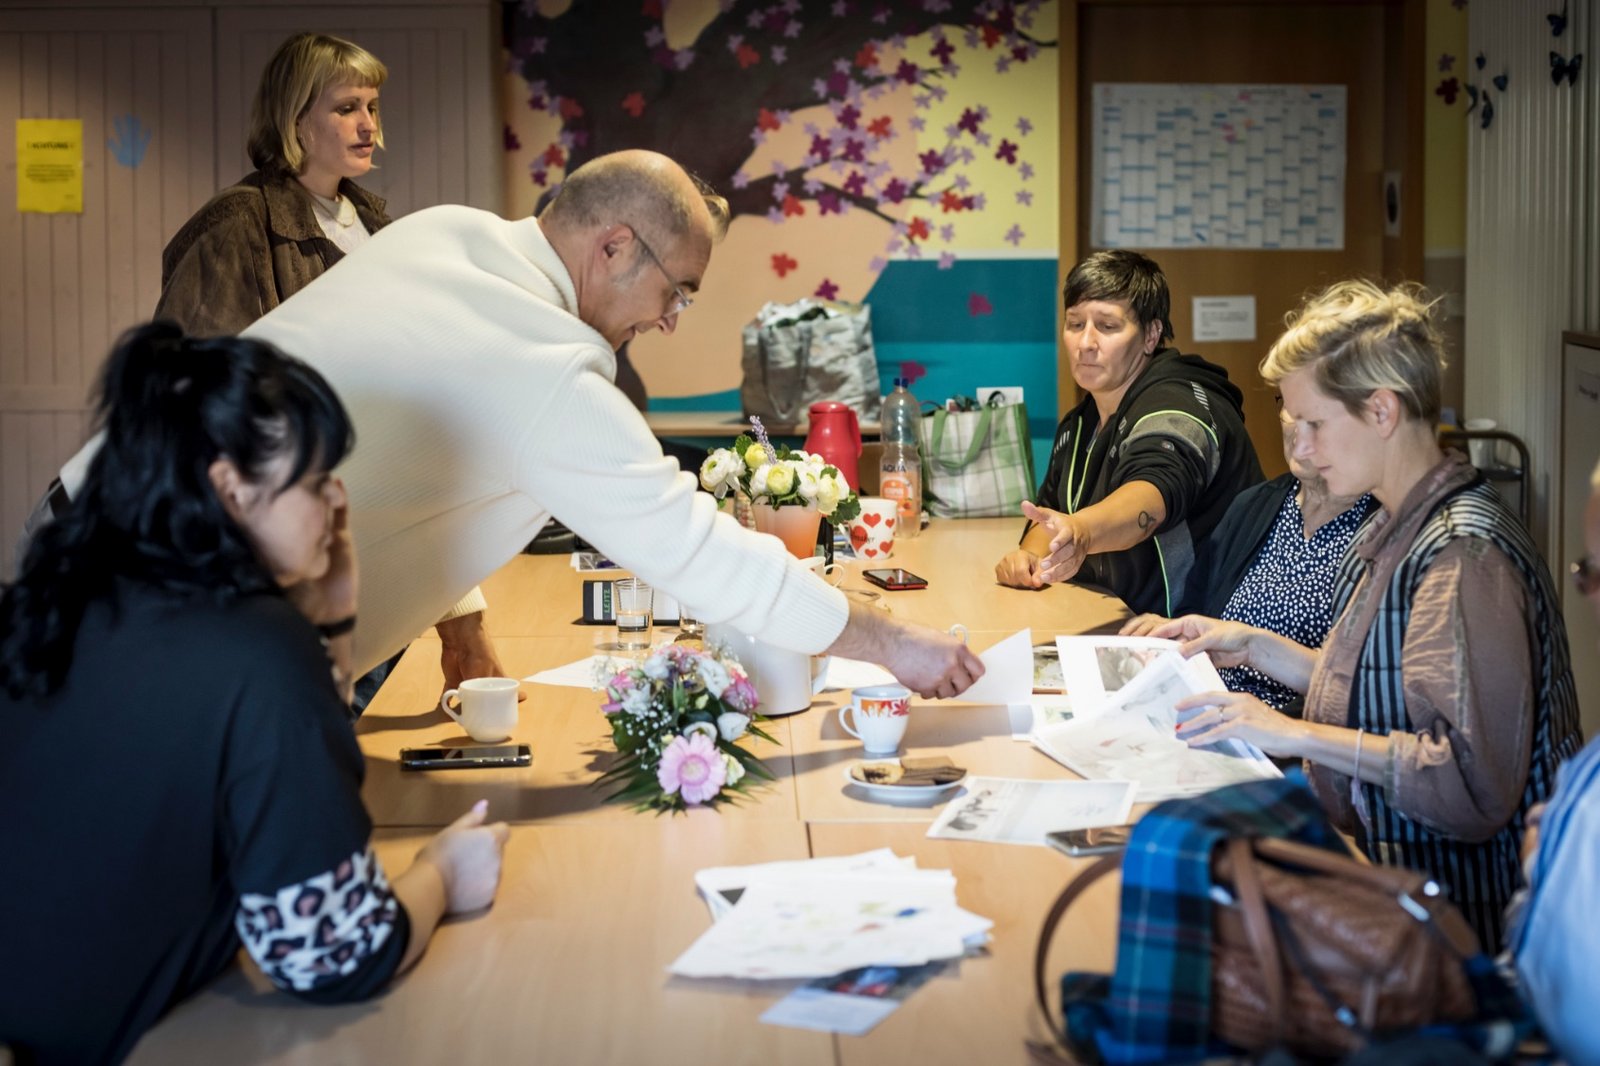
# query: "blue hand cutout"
130 142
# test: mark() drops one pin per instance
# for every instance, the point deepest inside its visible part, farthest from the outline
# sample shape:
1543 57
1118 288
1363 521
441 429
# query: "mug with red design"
872 531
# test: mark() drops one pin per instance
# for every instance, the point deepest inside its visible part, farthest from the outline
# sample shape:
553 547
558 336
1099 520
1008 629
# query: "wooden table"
570 962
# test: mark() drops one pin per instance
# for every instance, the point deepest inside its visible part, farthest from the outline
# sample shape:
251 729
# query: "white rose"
828 495
636 701
713 675
700 727
735 770
758 481
809 482
732 725
657 668
721 471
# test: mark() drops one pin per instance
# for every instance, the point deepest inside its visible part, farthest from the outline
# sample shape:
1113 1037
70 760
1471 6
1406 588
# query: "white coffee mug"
785 680
832 573
881 714
488 707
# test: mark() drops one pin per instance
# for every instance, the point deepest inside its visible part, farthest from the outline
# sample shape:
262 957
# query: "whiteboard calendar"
1219 166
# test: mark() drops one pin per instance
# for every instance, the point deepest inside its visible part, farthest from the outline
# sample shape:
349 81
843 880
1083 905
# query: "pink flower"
693 768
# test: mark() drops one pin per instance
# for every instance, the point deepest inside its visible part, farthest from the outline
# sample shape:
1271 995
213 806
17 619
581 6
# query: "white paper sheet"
1008 672
1009 811
1096 667
816 927
721 886
591 673
1132 738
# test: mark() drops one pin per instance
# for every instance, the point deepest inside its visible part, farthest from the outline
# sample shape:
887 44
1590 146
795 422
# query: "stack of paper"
824 916
1132 736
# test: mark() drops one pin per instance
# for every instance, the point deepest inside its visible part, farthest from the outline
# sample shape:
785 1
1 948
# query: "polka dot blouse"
1289 589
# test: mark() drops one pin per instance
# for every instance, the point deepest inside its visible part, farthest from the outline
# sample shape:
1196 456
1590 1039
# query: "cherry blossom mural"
860 144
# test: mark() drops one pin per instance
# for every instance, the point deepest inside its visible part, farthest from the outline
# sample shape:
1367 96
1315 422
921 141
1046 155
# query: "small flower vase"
795 526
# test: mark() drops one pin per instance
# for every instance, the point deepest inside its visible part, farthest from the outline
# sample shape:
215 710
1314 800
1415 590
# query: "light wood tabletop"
567 966
596 900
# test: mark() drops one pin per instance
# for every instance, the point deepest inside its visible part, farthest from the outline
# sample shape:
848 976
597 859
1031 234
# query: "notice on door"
50 165
1224 318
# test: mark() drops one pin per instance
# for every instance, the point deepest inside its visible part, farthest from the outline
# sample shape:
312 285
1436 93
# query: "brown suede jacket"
254 245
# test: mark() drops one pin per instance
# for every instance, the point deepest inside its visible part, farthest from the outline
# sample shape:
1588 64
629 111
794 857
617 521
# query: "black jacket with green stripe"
1180 427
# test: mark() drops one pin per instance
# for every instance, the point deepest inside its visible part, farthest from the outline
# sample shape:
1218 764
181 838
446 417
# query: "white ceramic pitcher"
785 680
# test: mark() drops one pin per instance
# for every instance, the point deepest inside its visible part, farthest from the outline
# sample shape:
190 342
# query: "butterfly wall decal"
1558 23
1500 81
1562 68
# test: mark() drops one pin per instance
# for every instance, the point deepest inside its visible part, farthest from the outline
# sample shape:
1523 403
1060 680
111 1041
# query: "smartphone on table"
466 758
895 579
1102 840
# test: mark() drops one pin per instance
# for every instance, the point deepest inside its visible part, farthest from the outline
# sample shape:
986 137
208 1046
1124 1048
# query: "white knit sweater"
483 406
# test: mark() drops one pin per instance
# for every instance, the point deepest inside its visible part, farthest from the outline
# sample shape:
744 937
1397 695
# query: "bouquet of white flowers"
779 476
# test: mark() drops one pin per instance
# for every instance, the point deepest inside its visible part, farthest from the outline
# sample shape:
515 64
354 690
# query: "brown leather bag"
1317 952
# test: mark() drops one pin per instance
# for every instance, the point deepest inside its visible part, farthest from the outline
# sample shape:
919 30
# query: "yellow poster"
50 165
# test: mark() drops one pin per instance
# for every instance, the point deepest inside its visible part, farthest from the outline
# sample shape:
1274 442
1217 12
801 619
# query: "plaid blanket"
1157 1006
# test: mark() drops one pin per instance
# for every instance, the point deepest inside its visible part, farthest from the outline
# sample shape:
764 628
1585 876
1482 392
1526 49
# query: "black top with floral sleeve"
195 779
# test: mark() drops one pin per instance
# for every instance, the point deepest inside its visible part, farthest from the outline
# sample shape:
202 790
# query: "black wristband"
329 630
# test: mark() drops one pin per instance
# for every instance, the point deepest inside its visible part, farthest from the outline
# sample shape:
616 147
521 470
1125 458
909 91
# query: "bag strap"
1102 866
979 439
766 372
1404 885
1252 903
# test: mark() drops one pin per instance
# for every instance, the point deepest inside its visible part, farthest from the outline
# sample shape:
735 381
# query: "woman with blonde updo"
1442 702
313 130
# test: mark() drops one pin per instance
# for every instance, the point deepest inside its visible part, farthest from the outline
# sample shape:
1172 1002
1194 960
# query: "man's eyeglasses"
680 299
1586 575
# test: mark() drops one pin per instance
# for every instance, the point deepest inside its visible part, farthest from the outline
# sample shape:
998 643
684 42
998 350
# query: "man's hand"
468 652
934 665
1069 543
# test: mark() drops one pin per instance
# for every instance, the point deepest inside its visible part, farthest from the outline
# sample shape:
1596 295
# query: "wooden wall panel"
439 106
69 284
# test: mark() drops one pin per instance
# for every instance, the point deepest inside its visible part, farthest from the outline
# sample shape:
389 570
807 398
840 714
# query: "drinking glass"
632 613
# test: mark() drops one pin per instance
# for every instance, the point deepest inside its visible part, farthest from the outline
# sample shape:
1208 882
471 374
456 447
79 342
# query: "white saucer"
899 792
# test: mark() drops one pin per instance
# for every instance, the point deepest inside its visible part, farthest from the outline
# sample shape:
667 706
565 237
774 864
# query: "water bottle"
900 473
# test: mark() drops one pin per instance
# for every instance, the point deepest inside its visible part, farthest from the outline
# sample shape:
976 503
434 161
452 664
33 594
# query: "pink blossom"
693 768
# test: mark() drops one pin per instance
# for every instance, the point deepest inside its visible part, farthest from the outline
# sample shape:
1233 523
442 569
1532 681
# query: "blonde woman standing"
313 130
1442 702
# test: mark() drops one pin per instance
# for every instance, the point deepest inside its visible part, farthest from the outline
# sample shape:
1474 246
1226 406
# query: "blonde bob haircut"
1358 337
298 72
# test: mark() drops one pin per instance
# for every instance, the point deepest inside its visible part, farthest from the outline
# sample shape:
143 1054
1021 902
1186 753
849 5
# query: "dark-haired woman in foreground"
179 772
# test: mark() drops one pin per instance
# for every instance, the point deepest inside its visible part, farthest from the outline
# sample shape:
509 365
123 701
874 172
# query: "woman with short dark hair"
178 769
1144 468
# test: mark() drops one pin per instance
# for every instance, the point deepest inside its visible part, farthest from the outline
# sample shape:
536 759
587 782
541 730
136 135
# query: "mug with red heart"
872 531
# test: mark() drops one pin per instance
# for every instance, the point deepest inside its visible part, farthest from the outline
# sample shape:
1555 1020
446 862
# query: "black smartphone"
1099 841
465 758
895 579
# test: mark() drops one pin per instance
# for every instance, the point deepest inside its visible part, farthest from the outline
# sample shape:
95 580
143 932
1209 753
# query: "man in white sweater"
476 358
